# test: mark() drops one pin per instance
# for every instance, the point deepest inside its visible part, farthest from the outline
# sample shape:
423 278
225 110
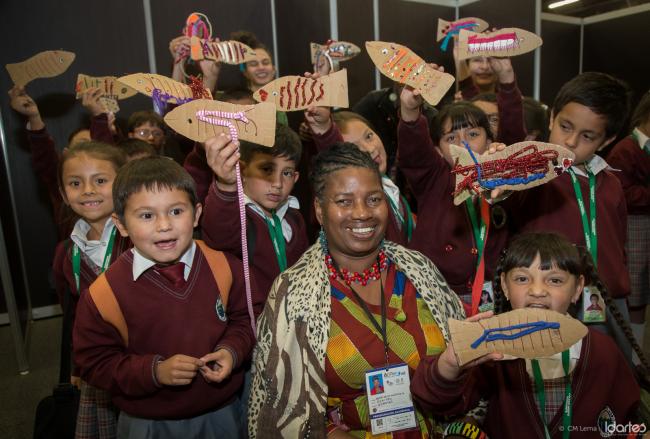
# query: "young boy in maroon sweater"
171 316
276 232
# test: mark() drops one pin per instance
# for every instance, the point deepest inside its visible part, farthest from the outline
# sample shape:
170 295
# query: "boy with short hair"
276 230
163 312
586 204
148 126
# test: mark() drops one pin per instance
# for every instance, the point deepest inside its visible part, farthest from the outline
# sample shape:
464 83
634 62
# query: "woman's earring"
323 240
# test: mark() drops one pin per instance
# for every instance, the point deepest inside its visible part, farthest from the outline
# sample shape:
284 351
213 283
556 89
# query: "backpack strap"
220 270
106 303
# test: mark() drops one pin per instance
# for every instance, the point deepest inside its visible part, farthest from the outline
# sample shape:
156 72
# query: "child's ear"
296 176
580 285
197 213
504 286
550 121
319 210
120 226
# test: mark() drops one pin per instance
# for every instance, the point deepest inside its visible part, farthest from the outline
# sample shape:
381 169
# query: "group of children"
155 307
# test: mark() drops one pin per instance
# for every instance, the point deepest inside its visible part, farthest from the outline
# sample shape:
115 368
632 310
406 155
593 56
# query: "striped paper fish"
107 84
293 93
46 64
505 42
229 52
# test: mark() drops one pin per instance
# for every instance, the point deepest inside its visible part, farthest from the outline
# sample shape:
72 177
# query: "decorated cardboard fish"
107 84
505 42
522 333
447 29
519 166
229 52
46 64
402 65
202 118
335 50
293 93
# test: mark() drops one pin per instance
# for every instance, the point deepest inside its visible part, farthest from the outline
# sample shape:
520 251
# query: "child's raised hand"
410 102
448 364
178 370
222 367
502 67
319 119
23 103
90 101
222 156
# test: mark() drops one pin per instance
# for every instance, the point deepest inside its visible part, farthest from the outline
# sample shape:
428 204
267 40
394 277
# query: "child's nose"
163 223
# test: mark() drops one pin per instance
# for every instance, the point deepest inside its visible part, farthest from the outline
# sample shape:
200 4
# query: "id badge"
390 406
487 298
593 305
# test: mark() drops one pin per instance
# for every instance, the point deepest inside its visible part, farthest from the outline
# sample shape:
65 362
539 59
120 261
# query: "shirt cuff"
235 359
154 365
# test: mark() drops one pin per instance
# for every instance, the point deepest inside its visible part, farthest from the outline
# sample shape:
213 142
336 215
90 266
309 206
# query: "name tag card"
390 405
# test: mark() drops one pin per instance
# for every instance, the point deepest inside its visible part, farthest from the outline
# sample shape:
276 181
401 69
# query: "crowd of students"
154 307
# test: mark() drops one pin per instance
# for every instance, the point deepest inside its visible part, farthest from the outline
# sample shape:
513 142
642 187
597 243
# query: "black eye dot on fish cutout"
189 121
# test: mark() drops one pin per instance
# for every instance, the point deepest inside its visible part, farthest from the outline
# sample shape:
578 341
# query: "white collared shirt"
642 138
391 190
280 213
142 264
551 367
596 163
94 249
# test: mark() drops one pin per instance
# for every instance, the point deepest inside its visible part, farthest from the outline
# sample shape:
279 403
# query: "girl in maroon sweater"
539 270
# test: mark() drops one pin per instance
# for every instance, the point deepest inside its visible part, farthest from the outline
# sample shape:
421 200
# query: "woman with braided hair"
351 304
573 391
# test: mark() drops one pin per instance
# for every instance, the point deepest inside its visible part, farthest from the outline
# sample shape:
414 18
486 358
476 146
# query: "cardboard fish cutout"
505 42
447 29
229 52
46 64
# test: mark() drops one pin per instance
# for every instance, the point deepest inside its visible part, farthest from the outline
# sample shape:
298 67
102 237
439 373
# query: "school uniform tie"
174 273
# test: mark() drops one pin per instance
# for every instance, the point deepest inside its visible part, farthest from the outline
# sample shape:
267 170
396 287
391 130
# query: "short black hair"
536 117
462 114
142 117
151 174
642 111
287 144
340 156
603 94
236 94
136 147
77 131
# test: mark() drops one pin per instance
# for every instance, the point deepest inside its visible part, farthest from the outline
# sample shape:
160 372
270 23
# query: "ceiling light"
561 3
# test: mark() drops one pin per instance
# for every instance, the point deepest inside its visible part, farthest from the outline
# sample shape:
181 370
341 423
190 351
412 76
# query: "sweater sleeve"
100 129
197 166
325 141
511 114
99 352
220 221
45 161
637 191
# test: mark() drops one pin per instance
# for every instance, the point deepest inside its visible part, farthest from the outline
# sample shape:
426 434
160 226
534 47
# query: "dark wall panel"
509 13
560 57
110 40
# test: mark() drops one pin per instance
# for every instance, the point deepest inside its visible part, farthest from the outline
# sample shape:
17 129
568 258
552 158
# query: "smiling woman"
353 303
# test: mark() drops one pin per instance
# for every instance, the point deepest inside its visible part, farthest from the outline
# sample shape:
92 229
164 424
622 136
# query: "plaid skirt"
638 259
97 416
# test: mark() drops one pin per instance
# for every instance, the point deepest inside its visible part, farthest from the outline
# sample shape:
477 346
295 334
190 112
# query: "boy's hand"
222 367
319 119
502 68
90 101
222 156
178 370
448 364
25 105
410 102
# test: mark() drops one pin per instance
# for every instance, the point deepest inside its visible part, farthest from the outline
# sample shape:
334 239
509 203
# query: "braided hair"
340 156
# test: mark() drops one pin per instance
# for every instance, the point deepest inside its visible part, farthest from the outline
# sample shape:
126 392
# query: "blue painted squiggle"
455 31
526 328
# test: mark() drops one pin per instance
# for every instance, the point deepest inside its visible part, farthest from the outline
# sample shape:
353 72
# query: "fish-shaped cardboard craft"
202 118
107 84
46 64
505 42
522 333
517 167
146 83
293 93
336 50
229 52
402 65
447 29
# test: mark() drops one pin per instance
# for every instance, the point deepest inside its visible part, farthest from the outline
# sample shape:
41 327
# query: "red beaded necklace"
372 273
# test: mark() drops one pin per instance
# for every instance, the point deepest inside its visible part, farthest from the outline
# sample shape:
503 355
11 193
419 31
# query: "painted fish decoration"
229 52
46 64
293 93
519 166
522 333
108 84
202 118
402 65
505 42
336 50
447 29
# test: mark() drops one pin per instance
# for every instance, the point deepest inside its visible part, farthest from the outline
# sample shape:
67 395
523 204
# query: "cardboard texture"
293 93
400 64
46 64
336 50
540 343
197 120
108 85
145 83
470 23
229 52
519 166
507 42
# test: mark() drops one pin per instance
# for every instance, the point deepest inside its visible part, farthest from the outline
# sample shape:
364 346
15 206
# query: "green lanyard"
409 218
479 231
589 227
275 230
76 258
541 395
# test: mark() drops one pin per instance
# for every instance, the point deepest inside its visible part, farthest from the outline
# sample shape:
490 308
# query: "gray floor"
20 394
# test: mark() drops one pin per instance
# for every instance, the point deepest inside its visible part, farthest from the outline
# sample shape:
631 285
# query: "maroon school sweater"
444 232
394 232
634 164
221 229
197 166
552 207
601 379
163 321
